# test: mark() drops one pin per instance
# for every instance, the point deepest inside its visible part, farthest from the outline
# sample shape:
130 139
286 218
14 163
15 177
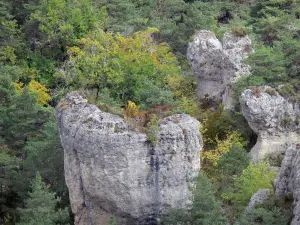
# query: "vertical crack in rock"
154 164
116 172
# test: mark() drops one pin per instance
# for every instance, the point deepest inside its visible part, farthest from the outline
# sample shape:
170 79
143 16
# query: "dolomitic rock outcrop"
287 182
218 65
275 120
112 170
258 198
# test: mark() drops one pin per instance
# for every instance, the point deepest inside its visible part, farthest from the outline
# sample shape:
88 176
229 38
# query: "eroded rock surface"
288 180
112 170
258 198
275 120
218 65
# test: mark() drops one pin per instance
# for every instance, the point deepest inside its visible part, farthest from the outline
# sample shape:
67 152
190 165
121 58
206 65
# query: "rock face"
218 65
112 170
288 180
273 118
258 198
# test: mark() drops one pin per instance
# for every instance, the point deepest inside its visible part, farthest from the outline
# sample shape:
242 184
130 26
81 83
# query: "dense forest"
129 58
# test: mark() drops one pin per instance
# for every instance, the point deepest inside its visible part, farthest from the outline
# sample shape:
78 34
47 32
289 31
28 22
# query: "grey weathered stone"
258 198
272 117
112 170
217 66
287 182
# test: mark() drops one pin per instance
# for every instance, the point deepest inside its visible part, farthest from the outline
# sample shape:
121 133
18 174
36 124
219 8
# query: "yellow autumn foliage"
212 156
131 110
35 87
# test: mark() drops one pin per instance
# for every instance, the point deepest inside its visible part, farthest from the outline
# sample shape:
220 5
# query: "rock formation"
258 198
217 66
275 120
288 180
112 170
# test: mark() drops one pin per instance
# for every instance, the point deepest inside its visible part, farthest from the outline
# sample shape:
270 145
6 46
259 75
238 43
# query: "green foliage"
276 27
10 36
40 207
112 220
7 89
152 129
215 125
290 90
64 45
8 169
189 106
291 47
211 157
21 120
204 211
254 177
152 94
21 116
133 68
45 154
230 164
177 20
61 22
272 18
268 66
233 162
269 63
264 216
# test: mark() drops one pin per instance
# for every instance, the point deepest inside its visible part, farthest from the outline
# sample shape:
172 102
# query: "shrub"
152 129
233 162
254 177
215 124
131 110
239 31
290 90
153 94
211 157
268 63
264 216
189 106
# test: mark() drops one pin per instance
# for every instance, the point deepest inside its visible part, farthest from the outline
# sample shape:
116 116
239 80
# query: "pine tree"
21 120
45 154
8 169
40 207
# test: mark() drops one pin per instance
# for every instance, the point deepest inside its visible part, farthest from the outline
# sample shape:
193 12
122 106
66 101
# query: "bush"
215 124
210 157
233 162
131 110
254 177
152 129
269 63
152 94
264 216
239 31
